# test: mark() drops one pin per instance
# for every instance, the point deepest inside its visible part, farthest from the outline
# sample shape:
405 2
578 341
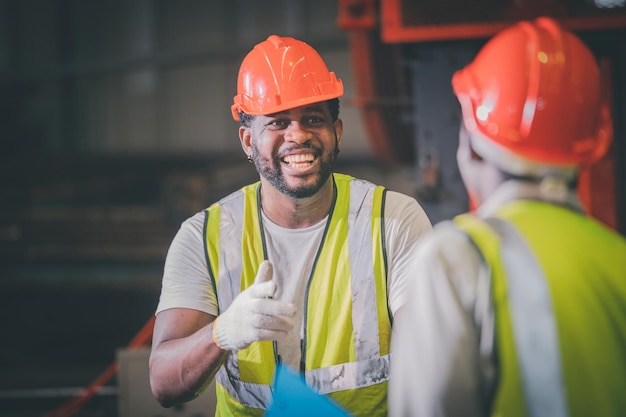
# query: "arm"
184 356
189 346
442 343
405 225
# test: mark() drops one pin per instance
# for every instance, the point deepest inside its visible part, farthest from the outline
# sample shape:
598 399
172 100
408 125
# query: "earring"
250 159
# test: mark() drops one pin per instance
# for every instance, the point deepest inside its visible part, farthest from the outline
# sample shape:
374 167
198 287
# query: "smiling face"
294 151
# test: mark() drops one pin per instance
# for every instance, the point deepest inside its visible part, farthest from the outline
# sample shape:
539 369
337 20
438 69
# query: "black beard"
270 170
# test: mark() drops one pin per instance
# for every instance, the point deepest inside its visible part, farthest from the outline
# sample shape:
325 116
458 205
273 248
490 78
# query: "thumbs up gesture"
253 315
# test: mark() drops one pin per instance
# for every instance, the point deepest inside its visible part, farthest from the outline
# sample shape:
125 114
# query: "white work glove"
253 316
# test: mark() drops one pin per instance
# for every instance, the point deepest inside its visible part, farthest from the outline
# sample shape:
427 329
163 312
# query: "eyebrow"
313 108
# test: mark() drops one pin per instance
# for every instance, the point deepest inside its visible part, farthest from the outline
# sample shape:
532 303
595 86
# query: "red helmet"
534 90
282 73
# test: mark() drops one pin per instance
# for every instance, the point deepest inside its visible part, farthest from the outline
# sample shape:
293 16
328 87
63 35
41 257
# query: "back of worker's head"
532 102
282 73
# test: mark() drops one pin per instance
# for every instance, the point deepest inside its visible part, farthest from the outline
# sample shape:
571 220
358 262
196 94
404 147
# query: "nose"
296 132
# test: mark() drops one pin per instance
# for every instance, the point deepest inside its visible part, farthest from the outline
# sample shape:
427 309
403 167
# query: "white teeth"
298 159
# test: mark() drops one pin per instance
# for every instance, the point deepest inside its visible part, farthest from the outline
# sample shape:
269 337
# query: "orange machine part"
596 185
357 14
596 188
381 84
382 95
411 21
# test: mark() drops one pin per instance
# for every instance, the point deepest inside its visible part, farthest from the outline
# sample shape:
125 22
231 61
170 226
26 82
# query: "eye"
315 120
278 123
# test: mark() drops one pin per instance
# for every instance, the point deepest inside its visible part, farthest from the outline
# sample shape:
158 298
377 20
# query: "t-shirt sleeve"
405 223
186 280
442 344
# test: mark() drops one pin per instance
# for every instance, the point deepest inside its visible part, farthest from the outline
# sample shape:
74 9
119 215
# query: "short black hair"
246 119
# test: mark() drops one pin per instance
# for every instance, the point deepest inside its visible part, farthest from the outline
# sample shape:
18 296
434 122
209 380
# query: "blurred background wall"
115 126
144 76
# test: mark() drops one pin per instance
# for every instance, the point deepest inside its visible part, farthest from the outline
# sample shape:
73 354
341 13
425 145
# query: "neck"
486 179
296 213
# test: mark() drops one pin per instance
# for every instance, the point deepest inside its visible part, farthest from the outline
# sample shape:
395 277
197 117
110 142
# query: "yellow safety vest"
559 293
345 351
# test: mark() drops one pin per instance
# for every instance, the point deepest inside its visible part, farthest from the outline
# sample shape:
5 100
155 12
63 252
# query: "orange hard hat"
282 73
534 90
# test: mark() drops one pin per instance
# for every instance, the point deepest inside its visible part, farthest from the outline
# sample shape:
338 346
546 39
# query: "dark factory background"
115 126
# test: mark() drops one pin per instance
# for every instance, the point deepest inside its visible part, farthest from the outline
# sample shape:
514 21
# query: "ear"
465 144
473 153
338 125
245 137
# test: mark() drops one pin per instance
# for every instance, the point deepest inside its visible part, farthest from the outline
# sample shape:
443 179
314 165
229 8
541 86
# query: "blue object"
292 397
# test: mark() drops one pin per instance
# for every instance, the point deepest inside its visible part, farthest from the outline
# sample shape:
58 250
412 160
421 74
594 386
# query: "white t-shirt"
187 284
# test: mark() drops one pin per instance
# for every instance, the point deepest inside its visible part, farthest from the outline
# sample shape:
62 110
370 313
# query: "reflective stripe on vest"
349 375
347 287
515 270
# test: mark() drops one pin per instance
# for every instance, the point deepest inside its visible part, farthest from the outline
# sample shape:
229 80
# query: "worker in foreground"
305 268
519 309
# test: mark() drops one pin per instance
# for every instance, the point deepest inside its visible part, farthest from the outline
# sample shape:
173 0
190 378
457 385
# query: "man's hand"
254 316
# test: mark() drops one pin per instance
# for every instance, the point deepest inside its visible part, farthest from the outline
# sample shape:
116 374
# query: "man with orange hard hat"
305 268
519 308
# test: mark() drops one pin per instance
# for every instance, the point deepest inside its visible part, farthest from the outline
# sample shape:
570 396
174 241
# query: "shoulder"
449 251
404 210
235 195
444 239
191 229
396 199
401 211
231 205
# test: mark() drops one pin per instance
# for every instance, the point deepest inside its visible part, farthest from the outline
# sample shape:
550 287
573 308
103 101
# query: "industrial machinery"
404 53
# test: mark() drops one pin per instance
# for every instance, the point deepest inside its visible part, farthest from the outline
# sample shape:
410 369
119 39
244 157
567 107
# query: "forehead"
309 108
